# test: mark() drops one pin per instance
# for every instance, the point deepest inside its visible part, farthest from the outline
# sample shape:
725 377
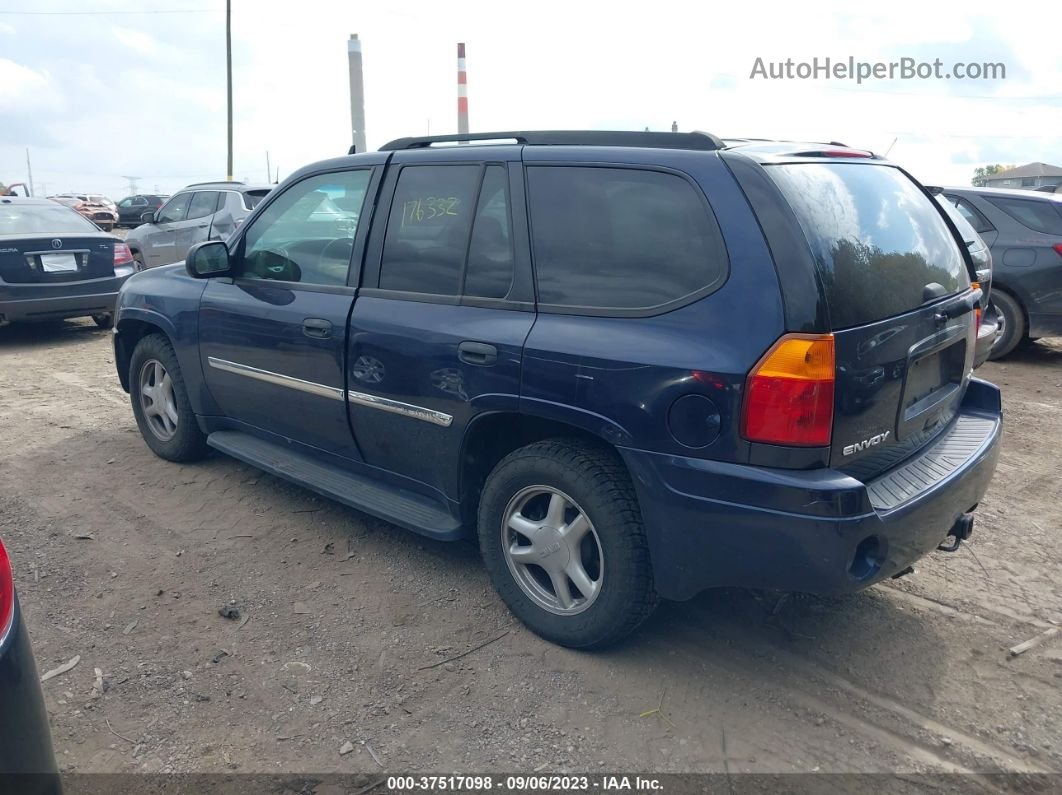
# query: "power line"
109 13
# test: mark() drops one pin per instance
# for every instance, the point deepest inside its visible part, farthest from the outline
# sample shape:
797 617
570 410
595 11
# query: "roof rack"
210 182
657 140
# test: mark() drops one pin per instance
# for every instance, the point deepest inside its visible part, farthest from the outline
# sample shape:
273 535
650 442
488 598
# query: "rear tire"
556 514
138 262
104 321
1012 319
160 402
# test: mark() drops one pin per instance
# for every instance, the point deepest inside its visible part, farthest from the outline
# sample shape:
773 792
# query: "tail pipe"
960 531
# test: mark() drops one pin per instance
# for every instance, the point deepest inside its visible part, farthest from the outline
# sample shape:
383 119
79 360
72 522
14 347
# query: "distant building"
1031 175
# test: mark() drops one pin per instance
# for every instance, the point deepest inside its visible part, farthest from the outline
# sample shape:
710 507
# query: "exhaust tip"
869 555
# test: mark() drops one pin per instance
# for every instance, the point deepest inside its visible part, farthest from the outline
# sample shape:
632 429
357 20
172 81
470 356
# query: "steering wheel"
346 242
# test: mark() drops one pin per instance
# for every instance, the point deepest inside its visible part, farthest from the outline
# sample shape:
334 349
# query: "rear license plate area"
59 263
932 388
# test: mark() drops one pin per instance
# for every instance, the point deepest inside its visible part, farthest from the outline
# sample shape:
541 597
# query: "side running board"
400 506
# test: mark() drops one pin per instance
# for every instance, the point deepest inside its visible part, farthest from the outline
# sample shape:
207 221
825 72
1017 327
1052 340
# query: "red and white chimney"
462 90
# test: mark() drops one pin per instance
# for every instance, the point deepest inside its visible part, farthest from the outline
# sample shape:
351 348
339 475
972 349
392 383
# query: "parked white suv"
204 211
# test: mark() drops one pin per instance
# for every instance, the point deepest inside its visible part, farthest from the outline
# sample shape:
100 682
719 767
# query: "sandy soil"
346 624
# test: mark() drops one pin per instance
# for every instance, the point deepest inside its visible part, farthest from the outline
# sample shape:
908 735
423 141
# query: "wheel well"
130 332
493 437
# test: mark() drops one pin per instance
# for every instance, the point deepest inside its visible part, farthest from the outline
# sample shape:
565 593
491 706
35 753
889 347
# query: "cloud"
136 40
6 30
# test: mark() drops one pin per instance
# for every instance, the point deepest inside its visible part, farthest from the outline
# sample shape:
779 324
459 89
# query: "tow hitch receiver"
961 531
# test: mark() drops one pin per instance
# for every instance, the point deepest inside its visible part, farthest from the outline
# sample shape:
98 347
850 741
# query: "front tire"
138 262
1012 319
104 321
562 539
160 402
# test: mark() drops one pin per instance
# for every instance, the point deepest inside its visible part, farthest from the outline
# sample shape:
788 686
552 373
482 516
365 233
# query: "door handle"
479 353
203 226
317 328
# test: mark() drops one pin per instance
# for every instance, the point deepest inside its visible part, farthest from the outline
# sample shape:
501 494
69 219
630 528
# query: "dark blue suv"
636 365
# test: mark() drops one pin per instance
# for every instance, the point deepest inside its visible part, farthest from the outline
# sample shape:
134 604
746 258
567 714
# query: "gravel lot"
347 624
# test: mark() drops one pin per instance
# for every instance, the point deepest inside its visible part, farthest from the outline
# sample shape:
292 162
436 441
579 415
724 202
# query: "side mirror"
206 259
148 217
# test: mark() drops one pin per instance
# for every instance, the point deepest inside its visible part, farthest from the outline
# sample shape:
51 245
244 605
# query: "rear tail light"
122 255
977 309
789 393
7 594
1058 248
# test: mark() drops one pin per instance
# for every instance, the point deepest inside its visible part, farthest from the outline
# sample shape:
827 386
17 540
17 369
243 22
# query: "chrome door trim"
310 387
322 390
398 407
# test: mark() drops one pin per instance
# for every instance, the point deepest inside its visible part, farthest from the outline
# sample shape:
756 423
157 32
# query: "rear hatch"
899 301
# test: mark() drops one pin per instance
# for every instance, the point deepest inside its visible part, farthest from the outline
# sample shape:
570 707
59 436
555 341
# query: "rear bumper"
1045 325
20 302
712 524
25 741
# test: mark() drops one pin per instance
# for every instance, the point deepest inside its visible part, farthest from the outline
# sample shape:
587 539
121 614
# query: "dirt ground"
346 623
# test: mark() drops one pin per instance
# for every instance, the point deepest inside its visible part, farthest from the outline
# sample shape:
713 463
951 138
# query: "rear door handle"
478 353
317 328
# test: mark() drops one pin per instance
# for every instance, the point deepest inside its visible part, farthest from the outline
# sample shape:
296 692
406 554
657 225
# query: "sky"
102 90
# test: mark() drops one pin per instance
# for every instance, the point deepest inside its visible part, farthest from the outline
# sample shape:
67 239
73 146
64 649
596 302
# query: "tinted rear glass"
876 238
967 232
621 238
252 197
1040 216
42 219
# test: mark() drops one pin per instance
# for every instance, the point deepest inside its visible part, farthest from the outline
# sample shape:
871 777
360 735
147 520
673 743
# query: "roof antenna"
894 140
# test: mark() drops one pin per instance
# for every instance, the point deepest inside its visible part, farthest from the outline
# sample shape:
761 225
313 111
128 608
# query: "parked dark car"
636 365
204 211
27 762
981 260
55 264
131 209
1023 228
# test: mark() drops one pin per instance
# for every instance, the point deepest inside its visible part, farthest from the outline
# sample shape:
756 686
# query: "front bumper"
27 302
27 762
712 524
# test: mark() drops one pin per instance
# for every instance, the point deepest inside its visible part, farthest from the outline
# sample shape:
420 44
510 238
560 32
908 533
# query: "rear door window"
1040 216
621 239
877 240
428 229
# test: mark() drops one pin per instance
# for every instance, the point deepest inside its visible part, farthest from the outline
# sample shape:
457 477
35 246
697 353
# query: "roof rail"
211 182
658 140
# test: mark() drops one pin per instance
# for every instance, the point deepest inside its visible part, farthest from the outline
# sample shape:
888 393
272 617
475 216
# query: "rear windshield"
876 238
42 219
252 197
1039 215
968 233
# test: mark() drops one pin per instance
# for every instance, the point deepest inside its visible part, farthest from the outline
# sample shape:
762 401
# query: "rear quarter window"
1040 216
876 238
621 239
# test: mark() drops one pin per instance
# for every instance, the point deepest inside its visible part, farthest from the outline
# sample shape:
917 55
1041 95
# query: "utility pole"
228 68
29 173
132 184
269 171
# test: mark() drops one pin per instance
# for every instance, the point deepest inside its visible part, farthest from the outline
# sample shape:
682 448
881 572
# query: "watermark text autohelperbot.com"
860 71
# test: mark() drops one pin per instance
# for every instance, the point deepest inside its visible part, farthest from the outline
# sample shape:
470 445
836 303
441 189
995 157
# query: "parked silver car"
204 211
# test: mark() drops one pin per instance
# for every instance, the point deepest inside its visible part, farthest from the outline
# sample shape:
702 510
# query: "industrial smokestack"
357 93
462 91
